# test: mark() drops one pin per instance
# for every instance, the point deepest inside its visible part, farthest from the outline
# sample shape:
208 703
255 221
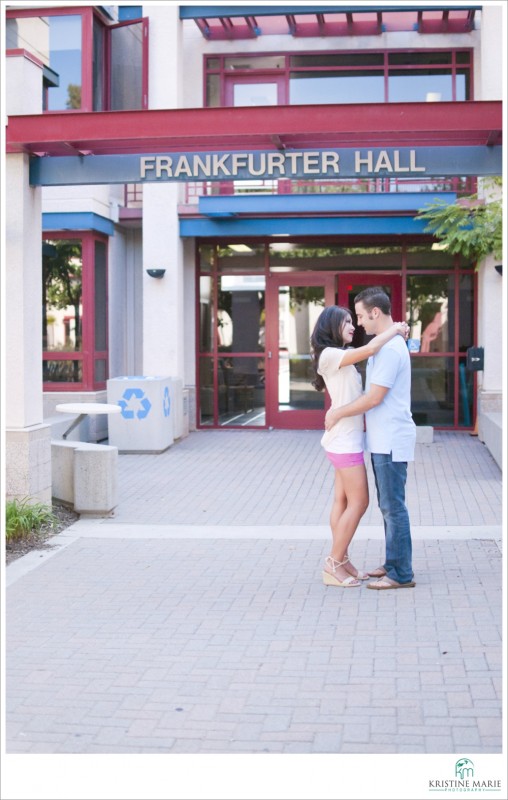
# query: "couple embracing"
378 419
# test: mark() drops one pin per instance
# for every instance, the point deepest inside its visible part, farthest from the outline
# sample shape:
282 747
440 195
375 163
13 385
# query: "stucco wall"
102 199
125 303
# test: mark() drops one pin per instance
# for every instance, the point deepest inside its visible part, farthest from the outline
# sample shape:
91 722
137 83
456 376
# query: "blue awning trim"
213 12
301 226
77 221
234 205
129 12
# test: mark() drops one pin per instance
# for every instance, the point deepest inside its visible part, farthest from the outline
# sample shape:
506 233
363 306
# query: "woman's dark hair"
327 333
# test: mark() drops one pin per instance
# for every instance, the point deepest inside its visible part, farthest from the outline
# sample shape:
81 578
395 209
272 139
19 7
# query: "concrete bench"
85 476
424 434
490 432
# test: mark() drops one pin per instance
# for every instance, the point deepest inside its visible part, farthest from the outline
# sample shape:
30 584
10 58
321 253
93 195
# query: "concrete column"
163 298
165 56
490 337
492 49
490 333
28 448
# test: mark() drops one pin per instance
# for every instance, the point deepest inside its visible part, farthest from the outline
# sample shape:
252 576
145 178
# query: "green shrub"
23 518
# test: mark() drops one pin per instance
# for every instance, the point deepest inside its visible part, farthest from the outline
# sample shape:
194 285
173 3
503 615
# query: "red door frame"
393 280
292 420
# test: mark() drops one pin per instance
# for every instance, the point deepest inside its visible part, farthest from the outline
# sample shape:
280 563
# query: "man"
391 435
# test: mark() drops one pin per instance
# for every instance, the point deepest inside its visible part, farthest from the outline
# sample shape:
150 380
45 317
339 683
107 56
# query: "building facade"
185 192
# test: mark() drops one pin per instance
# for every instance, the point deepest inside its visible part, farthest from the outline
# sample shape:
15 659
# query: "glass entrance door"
349 285
352 284
293 305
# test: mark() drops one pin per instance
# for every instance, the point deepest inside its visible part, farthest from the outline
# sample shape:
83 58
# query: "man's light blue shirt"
390 426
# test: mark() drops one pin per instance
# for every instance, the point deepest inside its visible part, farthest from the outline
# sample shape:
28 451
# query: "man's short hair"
375 297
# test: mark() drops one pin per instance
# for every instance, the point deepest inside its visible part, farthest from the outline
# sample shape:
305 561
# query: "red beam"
291 21
328 126
203 27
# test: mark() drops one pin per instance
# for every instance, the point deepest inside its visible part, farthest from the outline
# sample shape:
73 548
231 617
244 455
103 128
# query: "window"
249 293
322 78
126 66
57 42
306 88
89 63
74 307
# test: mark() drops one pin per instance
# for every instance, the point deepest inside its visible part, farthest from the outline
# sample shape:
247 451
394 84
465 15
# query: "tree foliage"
62 284
471 227
73 96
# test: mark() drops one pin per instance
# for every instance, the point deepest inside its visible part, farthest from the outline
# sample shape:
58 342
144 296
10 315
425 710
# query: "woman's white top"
344 385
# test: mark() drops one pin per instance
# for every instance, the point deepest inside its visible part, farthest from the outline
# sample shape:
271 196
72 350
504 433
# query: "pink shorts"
343 460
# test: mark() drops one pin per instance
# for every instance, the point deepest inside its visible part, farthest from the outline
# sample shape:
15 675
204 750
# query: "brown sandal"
388 583
379 572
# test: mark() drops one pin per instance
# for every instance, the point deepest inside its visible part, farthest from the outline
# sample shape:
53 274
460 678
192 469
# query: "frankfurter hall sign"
272 165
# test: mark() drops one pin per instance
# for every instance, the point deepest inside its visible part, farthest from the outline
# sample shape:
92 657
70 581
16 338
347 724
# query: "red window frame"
88 14
88 355
397 277
231 80
386 68
107 81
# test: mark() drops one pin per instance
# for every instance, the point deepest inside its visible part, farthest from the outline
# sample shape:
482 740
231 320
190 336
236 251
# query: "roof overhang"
266 128
326 215
250 21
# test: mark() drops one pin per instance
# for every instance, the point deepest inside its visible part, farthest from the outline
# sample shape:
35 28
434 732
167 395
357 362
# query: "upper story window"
324 78
90 64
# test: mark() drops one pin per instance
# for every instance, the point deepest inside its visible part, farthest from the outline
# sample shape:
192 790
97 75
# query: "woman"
333 364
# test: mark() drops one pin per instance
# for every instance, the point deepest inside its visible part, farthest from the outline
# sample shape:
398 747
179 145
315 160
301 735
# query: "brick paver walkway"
282 478
195 620
223 646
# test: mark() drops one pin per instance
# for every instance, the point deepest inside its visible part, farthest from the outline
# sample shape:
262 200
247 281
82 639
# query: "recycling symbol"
140 409
166 403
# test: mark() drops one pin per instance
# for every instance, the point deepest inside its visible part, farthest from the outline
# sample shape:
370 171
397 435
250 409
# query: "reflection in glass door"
232 344
294 306
351 285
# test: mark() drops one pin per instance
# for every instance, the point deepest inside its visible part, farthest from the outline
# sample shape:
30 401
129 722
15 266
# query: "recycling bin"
145 424
176 394
185 407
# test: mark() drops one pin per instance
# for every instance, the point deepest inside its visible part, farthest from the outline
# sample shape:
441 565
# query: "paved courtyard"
282 478
195 620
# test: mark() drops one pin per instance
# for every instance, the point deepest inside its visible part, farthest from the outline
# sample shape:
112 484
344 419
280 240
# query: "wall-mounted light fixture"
499 268
156 273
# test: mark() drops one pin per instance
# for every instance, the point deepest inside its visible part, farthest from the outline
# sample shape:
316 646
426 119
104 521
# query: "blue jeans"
390 477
